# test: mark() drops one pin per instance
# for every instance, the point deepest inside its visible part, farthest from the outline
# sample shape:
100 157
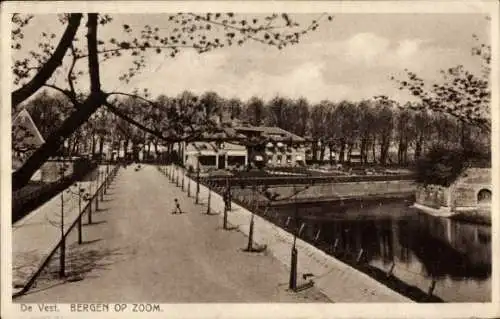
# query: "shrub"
442 165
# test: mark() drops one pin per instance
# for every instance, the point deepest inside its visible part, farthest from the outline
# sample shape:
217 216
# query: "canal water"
451 259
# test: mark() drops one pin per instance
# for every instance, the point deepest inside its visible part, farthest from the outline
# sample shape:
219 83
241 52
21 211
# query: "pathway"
139 251
37 234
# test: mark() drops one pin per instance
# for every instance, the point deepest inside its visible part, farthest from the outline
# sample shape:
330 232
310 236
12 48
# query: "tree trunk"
331 156
342 151
22 176
384 147
76 143
101 146
179 151
349 152
170 151
315 151
119 148
182 152
322 152
405 153
125 148
148 150
400 150
381 158
96 98
418 146
135 150
374 155
92 150
364 142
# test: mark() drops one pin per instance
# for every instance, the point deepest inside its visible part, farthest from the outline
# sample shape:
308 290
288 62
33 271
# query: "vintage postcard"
249 159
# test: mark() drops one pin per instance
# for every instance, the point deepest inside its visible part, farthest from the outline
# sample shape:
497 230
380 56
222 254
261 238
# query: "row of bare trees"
371 127
80 53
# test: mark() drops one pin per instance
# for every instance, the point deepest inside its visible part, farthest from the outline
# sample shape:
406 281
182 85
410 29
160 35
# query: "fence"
92 199
311 180
334 243
396 276
352 251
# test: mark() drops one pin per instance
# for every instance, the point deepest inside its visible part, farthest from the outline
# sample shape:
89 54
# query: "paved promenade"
338 281
138 250
37 234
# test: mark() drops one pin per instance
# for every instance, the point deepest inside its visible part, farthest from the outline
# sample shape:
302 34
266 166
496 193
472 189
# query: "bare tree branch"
135 96
113 109
70 71
52 64
69 94
140 47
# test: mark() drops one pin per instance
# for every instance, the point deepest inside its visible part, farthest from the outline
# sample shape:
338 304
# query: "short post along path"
140 251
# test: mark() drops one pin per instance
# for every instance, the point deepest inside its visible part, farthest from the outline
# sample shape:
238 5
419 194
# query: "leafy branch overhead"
200 32
203 33
462 94
60 60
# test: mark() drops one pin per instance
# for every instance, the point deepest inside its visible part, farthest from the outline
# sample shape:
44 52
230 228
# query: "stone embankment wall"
462 193
335 191
434 196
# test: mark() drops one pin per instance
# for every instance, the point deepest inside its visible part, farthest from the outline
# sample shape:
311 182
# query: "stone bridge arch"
484 194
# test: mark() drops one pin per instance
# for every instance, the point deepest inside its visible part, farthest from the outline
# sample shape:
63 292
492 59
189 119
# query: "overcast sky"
351 57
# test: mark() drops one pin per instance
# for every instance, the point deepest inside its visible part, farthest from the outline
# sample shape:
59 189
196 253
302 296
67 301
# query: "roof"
238 133
223 133
26 135
212 147
270 132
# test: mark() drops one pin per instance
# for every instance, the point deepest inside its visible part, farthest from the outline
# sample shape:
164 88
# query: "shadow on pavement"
101 210
80 262
90 241
95 223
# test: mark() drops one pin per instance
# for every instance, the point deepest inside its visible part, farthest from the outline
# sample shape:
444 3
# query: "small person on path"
177 209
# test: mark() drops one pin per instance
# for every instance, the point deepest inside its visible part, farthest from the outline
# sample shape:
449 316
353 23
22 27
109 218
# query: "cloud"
408 48
304 80
356 67
365 48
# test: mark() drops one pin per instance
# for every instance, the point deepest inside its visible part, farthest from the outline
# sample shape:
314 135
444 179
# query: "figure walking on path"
177 209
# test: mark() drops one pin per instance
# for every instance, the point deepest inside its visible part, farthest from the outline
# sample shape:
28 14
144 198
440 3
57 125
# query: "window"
279 158
289 158
484 196
235 160
207 160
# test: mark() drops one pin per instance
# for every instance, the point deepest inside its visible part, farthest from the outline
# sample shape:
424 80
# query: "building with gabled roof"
26 133
280 147
25 138
240 144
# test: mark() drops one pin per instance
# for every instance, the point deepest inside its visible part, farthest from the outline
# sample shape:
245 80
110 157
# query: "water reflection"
423 248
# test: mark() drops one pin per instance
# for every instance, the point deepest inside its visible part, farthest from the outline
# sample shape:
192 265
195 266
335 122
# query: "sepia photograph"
286 154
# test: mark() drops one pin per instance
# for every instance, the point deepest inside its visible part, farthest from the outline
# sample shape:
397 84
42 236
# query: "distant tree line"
370 127
79 58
